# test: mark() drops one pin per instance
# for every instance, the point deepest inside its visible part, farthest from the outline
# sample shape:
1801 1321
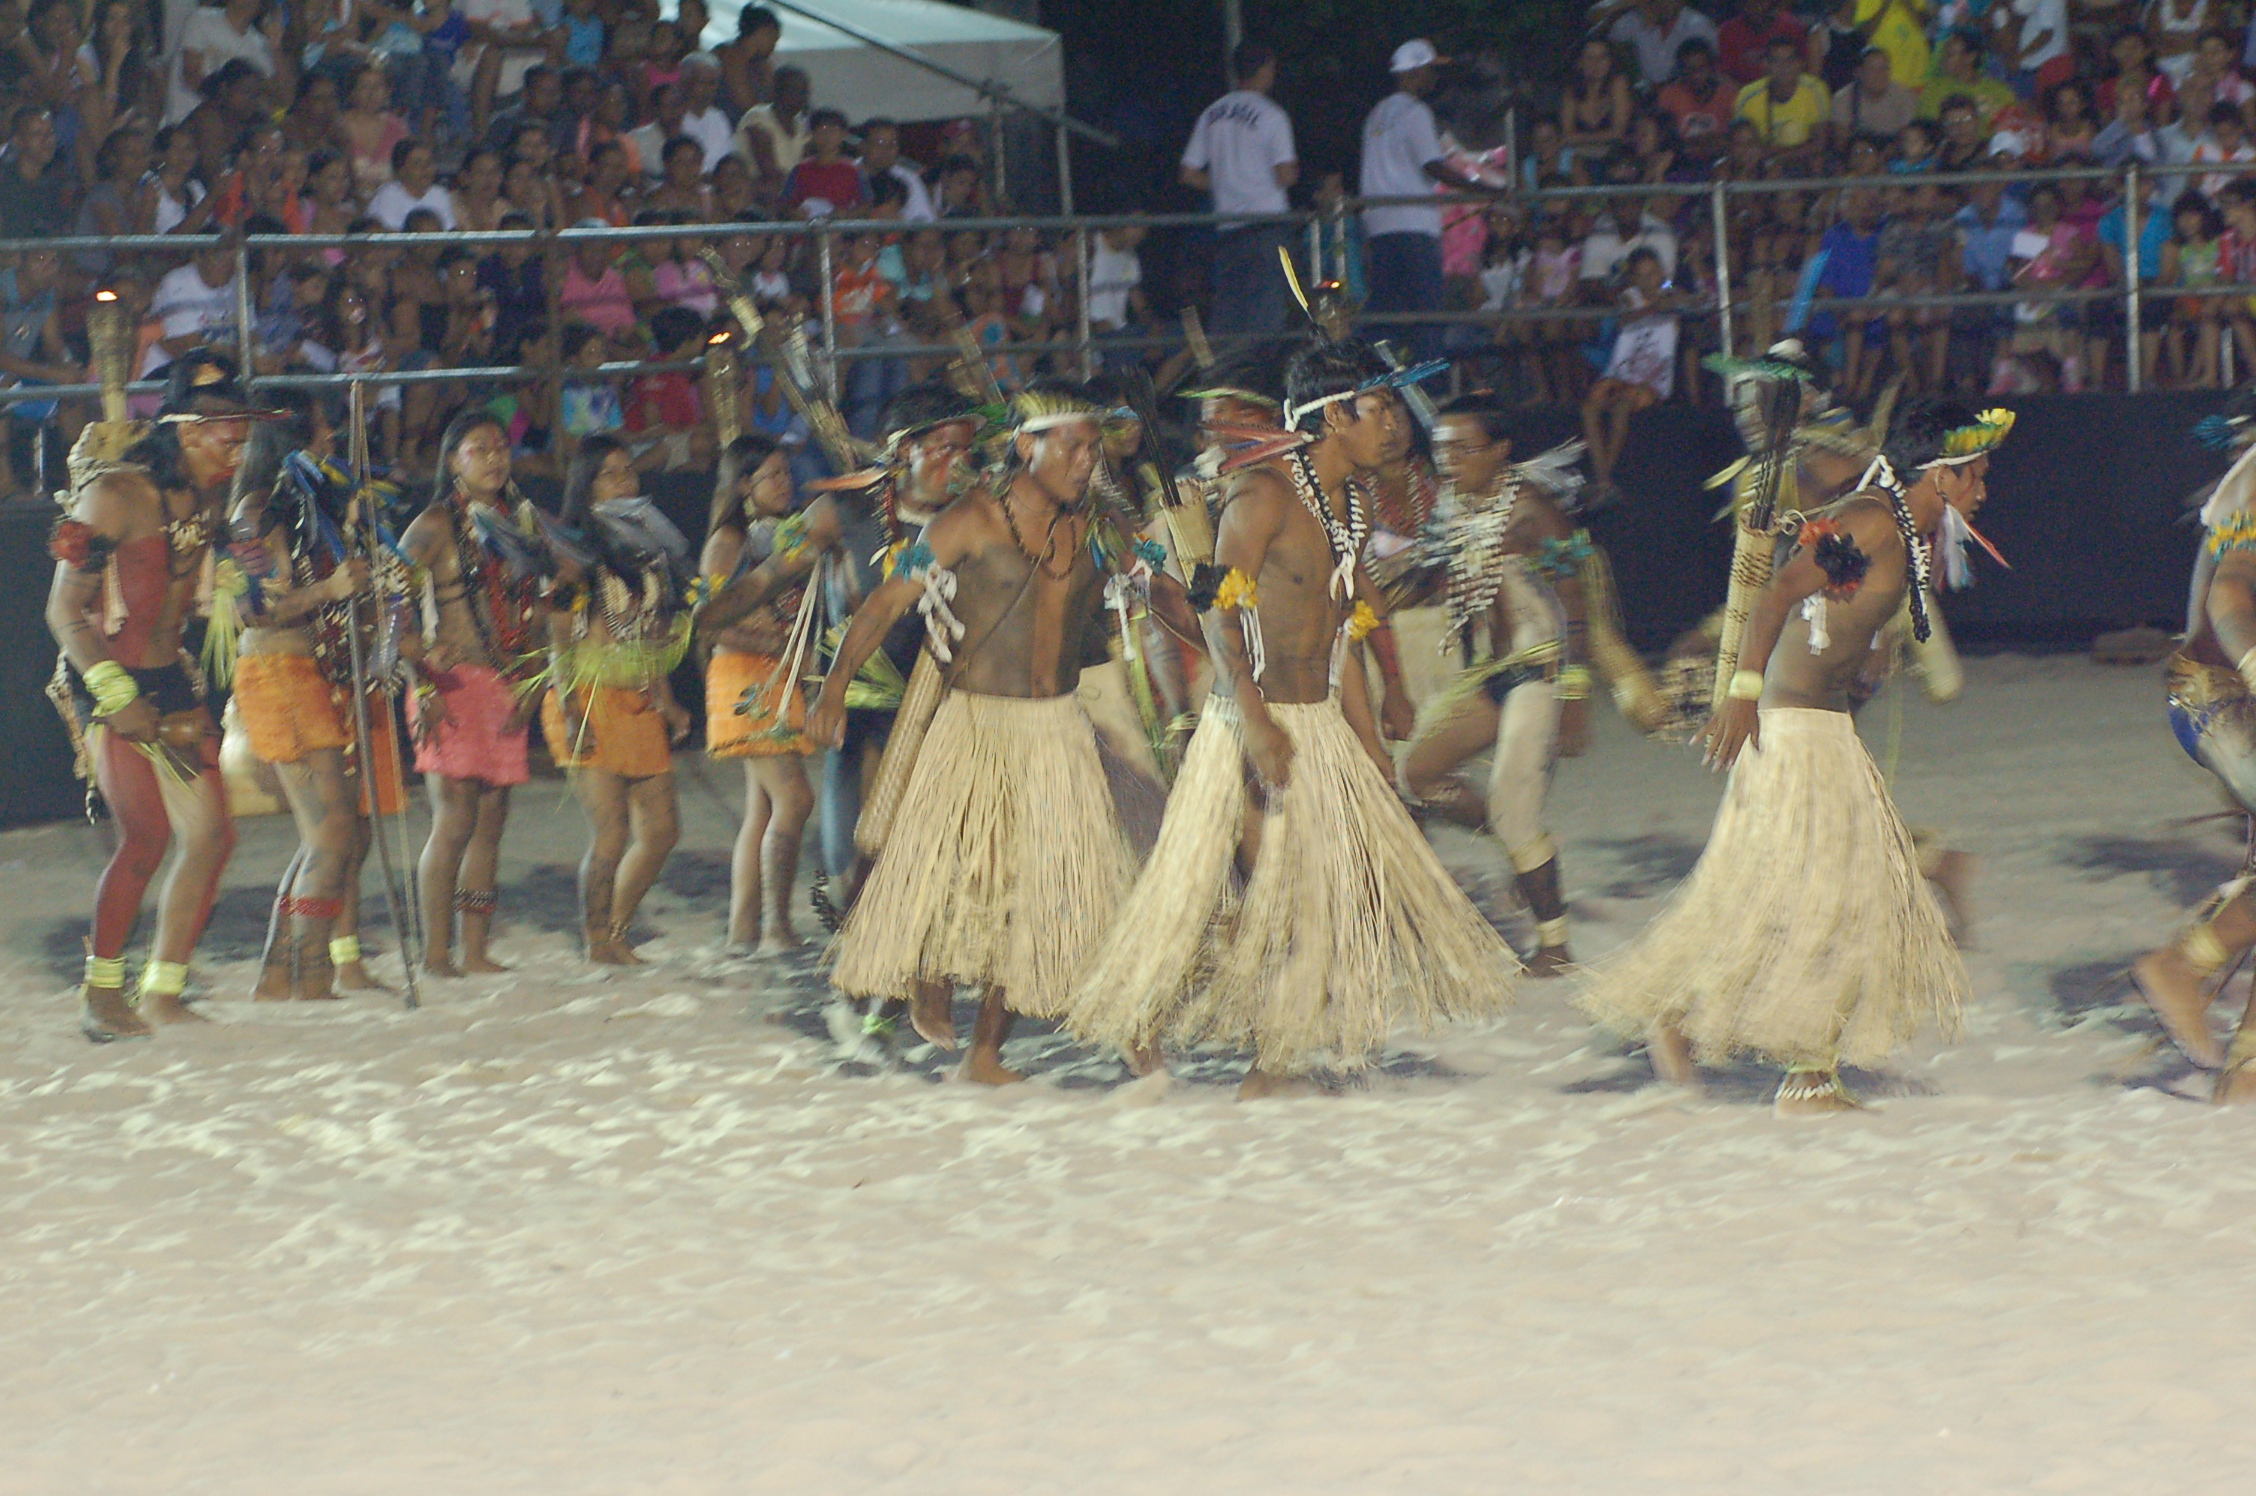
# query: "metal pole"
1065 174
996 172
1316 249
829 311
1722 221
246 336
1081 320
2132 342
1512 146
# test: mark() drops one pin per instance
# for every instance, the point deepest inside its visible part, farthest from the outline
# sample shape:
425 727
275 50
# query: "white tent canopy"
860 80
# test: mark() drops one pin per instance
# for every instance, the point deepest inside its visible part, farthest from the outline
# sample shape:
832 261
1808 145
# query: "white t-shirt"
1239 142
2037 17
1398 140
712 133
918 208
208 35
1113 273
515 60
392 203
183 304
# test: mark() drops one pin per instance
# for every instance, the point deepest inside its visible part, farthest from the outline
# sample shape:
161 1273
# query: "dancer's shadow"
2188 873
1744 1082
1653 864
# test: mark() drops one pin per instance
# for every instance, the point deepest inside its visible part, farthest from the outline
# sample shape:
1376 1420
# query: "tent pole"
997 176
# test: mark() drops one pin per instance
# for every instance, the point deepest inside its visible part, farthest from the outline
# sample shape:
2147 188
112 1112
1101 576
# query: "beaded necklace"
1346 540
1477 557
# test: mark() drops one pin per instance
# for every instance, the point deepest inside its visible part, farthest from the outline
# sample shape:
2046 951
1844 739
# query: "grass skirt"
1003 866
1805 933
1348 926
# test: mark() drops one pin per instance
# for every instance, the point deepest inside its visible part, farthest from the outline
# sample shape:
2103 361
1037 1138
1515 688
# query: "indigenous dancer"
1347 922
133 561
610 715
1805 933
484 625
1509 577
293 688
854 531
2213 714
1005 863
754 708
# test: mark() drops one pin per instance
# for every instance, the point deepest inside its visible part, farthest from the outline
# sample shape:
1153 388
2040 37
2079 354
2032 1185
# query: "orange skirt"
289 709
733 733
625 735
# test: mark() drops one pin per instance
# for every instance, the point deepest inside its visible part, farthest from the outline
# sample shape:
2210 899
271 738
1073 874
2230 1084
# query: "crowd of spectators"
1915 92
375 117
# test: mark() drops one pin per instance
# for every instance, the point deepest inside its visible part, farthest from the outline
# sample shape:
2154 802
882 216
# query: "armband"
915 561
791 541
1237 593
1206 580
1573 683
1362 623
1561 559
78 544
111 687
1746 685
1837 555
1151 553
2237 532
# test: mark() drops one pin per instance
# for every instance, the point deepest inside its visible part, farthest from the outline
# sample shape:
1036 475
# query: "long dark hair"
744 455
579 478
458 430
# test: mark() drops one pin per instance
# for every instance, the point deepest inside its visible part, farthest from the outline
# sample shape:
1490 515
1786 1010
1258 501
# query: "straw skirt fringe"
1805 933
1348 925
1004 865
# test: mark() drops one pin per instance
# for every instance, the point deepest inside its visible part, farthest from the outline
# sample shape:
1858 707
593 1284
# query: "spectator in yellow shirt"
1958 70
1898 28
1786 106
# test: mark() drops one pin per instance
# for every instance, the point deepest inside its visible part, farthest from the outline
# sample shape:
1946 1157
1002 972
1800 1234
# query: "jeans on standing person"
1405 271
870 385
1250 295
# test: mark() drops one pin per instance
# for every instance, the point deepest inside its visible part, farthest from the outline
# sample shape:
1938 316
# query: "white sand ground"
575 1232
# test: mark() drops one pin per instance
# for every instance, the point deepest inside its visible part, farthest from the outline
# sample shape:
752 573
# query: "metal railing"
1319 233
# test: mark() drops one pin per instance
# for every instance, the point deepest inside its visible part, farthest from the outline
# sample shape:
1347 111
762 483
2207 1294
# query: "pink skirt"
475 740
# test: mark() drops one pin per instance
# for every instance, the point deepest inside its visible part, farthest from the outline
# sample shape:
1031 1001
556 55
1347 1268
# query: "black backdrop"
2087 502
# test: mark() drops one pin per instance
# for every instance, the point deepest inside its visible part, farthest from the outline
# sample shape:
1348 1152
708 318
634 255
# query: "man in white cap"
1402 158
1241 152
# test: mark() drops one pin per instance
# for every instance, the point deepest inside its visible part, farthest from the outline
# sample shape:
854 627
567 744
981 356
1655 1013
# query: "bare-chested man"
1503 560
853 532
1005 864
130 561
293 692
1805 934
1348 923
470 711
2213 715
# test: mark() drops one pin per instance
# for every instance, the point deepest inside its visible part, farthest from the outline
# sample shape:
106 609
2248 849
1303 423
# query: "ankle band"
475 900
2203 951
164 978
1526 859
344 950
105 971
1552 932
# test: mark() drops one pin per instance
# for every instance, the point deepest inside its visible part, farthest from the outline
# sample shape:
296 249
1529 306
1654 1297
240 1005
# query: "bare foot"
1260 1084
2173 989
986 1069
440 966
1551 961
481 966
1953 877
1806 1093
327 994
933 1014
1147 1059
1671 1054
105 1016
782 943
170 1008
273 985
2236 1086
353 977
